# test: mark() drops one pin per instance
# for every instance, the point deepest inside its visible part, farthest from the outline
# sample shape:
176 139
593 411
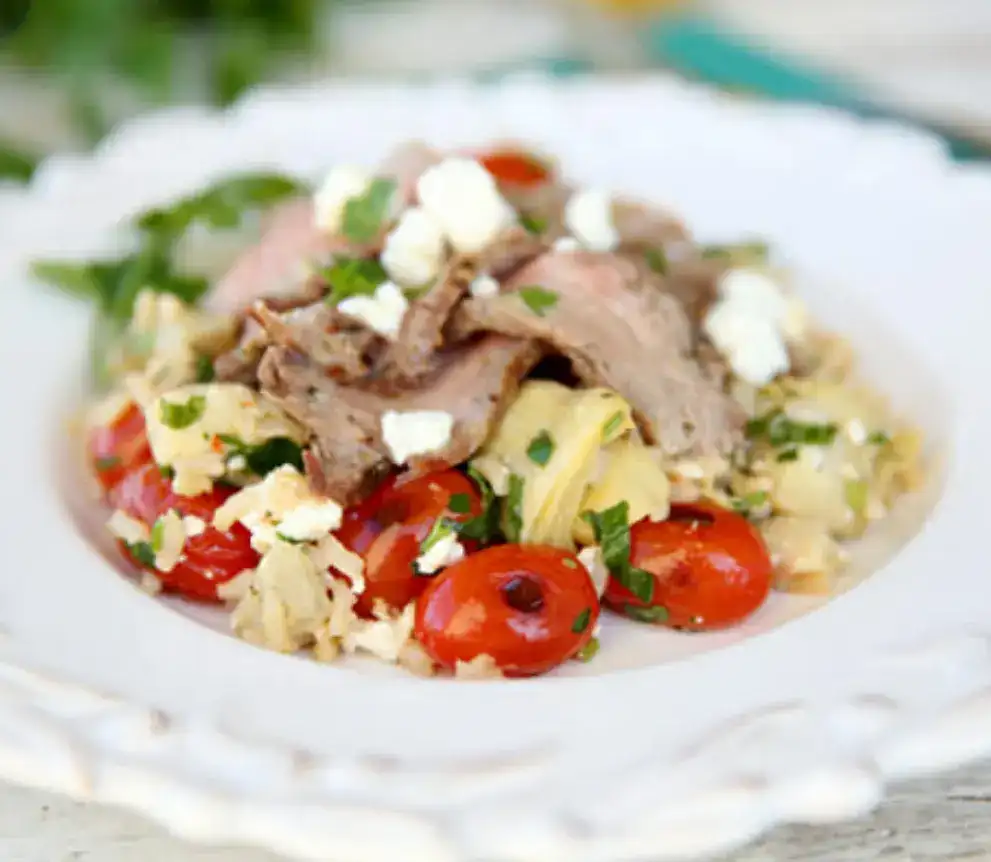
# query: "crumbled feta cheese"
747 325
464 200
237 463
591 559
329 554
589 216
415 432
446 551
127 529
414 250
856 431
688 470
168 540
566 243
384 637
341 184
382 312
266 506
484 285
196 451
193 526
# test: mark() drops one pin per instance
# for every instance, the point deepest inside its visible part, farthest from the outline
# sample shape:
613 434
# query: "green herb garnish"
107 463
158 534
653 614
484 527
166 472
581 621
365 215
738 253
745 504
179 416
657 260
779 430
266 457
538 299
589 651
856 491
612 534
612 425
512 516
352 276
288 539
878 438
204 369
533 224
143 554
460 504
787 455
541 448
16 164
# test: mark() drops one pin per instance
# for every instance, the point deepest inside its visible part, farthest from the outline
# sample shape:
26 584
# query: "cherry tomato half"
387 528
209 559
119 447
515 167
710 567
528 607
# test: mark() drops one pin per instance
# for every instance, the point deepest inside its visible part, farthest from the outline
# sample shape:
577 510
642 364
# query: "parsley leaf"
657 260
485 527
612 534
538 299
365 214
266 457
352 276
179 416
533 224
612 425
512 516
158 535
541 448
653 614
756 252
589 651
779 430
743 505
787 455
143 554
581 621
16 164
878 438
204 369
460 504
441 529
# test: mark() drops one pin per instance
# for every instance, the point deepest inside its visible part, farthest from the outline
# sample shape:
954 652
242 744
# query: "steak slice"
474 383
619 331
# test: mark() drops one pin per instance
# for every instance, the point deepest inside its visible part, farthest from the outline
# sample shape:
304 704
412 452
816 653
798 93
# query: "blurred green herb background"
143 47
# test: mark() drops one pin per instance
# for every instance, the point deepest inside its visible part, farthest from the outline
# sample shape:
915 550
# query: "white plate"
668 745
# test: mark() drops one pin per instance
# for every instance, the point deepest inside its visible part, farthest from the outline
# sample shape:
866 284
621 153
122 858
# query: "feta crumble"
129 530
591 559
566 243
341 184
414 250
589 216
464 200
751 324
193 526
446 551
415 432
382 312
484 285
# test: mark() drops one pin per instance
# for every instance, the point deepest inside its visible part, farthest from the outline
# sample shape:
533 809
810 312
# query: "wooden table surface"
933 54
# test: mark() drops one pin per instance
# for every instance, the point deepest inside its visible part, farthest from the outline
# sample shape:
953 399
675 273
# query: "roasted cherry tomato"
209 559
119 447
528 607
710 567
386 531
515 167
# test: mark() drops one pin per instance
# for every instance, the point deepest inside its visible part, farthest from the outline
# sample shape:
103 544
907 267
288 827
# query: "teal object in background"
698 48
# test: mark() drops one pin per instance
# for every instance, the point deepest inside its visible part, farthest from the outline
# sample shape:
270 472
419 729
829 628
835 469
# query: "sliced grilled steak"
619 331
474 383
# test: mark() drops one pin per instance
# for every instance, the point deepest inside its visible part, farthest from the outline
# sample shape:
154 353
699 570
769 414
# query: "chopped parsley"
878 438
612 425
748 502
460 504
541 448
143 554
204 369
538 299
744 252
589 651
533 224
179 416
779 430
581 621
158 534
569 563
787 455
166 472
653 614
441 529
484 527
365 215
512 516
612 534
110 462
266 457
352 276
289 540
657 260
